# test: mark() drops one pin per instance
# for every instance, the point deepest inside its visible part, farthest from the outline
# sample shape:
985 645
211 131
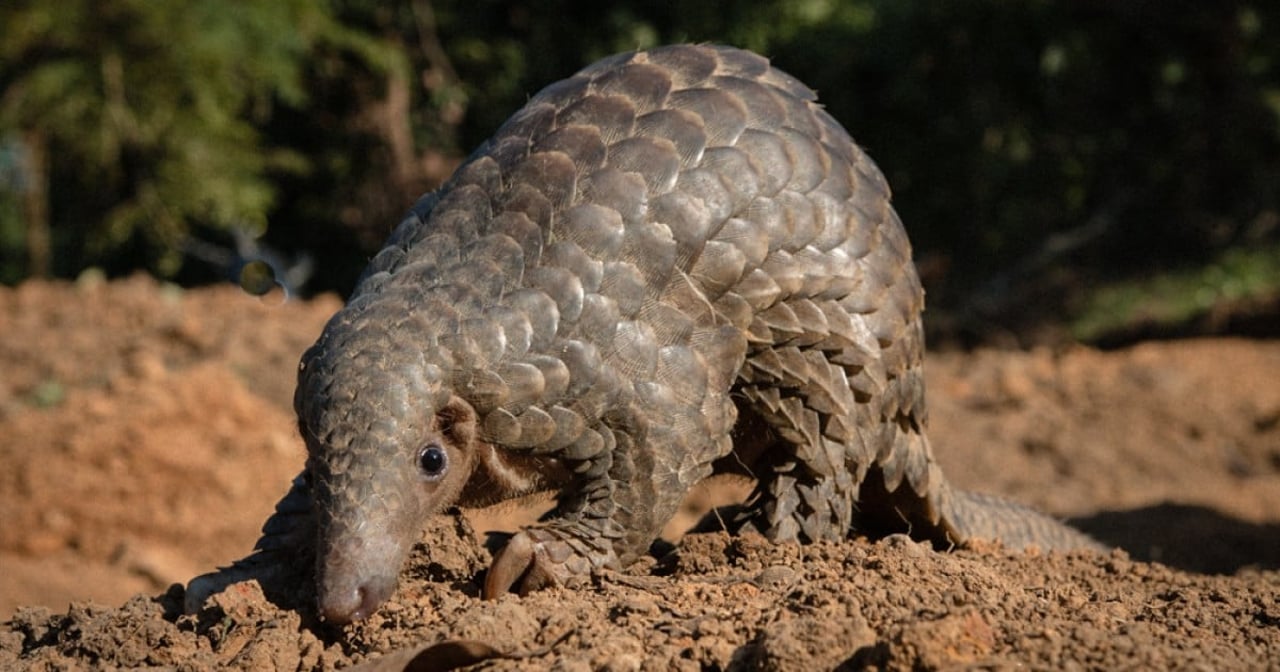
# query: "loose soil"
146 433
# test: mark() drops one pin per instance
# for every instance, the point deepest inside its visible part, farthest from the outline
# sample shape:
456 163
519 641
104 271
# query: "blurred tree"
134 120
381 128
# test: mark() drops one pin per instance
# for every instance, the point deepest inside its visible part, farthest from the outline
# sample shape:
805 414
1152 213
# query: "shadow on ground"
1191 538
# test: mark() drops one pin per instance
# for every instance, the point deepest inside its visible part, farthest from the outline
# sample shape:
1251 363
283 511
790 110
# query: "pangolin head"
387 446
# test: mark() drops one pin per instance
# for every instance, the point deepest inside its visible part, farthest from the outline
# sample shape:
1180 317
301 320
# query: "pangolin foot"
537 558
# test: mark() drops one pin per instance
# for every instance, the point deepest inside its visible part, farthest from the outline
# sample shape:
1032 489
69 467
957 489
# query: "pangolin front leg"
661 442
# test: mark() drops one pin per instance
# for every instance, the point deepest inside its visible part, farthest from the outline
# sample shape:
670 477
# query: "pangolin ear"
457 422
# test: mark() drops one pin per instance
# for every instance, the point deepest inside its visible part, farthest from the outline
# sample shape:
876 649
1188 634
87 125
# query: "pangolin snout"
356 576
355 602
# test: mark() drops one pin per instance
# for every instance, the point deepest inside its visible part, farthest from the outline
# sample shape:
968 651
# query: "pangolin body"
671 257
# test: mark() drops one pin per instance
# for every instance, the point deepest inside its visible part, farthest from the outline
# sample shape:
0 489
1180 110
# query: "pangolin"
671 263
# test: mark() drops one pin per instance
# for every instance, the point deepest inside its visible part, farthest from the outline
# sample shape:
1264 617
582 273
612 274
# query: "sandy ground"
146 433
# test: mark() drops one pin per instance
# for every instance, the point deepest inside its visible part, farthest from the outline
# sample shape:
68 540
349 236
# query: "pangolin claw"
535 559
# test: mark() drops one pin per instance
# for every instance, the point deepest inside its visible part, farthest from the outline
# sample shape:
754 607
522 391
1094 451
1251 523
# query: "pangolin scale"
672 262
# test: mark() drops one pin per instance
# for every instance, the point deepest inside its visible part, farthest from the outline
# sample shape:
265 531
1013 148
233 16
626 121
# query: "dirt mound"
146 432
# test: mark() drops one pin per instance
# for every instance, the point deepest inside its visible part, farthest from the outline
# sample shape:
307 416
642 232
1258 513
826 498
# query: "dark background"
1084 170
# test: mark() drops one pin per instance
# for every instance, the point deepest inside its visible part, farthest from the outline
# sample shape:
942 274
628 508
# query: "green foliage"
1176 296
150 109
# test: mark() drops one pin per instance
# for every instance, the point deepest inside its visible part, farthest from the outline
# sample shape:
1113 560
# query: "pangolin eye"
433 461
